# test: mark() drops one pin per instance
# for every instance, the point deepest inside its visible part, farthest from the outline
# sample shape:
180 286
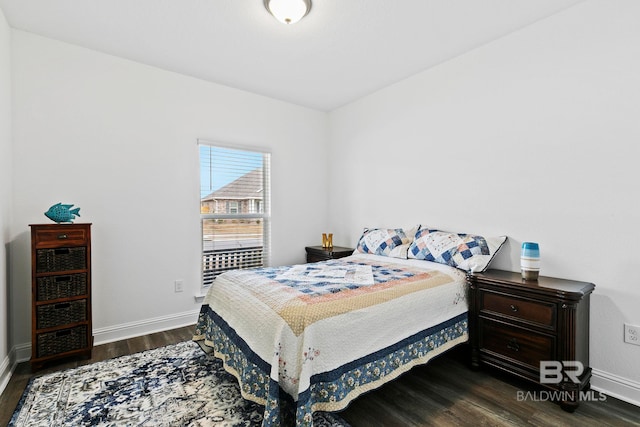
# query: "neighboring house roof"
248 186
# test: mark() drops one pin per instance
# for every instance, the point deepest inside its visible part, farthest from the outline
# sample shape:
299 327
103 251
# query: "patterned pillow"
468 252
391 242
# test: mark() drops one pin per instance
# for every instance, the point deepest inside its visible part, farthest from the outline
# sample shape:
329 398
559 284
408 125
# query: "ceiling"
341 51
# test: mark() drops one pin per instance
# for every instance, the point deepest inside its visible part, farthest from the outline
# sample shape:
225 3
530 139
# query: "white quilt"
310 323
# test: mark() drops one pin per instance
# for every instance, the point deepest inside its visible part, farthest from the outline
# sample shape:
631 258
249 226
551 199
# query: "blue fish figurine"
62 213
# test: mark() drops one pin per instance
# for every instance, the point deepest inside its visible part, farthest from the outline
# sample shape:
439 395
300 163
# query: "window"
234 209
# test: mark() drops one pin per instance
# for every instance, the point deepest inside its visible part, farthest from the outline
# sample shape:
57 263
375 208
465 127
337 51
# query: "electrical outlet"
179 285
632 334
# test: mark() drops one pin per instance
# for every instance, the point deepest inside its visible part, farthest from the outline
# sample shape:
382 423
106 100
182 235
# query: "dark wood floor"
443 393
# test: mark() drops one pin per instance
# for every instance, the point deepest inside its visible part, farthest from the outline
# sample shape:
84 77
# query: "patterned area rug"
177 385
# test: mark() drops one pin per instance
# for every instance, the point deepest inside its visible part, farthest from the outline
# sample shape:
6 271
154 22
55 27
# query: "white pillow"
468 252
391 242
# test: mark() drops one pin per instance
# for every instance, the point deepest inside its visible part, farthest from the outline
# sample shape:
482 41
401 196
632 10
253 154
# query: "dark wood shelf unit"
60 292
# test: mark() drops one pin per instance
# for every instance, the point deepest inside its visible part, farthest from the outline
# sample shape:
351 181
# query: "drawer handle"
62 305
513 345
63 333
62 279
514 308
62 251
62 236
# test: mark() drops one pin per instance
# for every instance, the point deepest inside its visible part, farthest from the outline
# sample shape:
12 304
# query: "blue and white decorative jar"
530 261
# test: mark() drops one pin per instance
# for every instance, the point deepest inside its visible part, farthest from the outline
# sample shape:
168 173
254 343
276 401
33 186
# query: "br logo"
553 372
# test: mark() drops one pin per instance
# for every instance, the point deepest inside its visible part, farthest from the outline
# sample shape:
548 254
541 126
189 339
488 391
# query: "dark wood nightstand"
515 324
318 253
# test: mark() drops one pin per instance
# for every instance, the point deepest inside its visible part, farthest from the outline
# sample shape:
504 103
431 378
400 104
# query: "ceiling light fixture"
288 11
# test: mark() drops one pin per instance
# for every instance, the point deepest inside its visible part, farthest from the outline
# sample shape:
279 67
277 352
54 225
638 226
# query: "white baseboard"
20 353
125 331
17 354
144 327
6 370
615 386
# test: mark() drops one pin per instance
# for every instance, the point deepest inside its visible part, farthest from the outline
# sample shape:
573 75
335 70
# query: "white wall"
118 139
5 193
535 136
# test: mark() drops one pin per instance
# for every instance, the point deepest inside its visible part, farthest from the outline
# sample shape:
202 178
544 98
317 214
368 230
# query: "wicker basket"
62 341
54 287
61 259
51 315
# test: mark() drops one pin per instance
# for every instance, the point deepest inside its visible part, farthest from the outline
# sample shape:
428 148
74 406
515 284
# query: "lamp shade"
288 11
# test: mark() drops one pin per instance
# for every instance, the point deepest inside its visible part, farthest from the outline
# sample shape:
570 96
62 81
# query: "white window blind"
234 209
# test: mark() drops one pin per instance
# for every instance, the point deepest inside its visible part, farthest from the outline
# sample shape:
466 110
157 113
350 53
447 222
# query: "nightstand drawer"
46 238
532 311
315 257
518 344
318 253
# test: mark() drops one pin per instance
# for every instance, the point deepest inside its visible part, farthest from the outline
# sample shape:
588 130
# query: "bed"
313 337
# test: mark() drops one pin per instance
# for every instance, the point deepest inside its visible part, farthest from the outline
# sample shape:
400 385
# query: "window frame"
263 213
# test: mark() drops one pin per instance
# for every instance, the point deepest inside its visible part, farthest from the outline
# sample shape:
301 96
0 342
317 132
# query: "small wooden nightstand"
515 324
318 253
